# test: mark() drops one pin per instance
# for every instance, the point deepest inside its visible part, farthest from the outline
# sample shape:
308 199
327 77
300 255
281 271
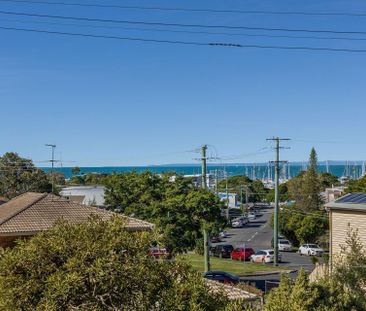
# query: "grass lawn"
228 265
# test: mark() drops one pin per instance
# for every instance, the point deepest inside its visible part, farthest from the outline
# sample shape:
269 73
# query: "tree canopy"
180 210
342 290
357 185
98 265
306 220
19 175
244 185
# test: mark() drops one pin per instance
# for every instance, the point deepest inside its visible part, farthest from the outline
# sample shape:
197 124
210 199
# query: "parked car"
222 276
222 251
158 252
242 253
264 256
311 250
215 239
239 222
284 245
251 216
280 237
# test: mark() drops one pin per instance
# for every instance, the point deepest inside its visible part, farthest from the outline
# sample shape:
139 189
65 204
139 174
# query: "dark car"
215 239
242 253
222 251
222 276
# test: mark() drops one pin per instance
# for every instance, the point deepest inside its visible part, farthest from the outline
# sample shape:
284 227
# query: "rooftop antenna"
53 147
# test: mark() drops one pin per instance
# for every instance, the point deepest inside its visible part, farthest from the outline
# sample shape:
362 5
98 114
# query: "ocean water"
252 171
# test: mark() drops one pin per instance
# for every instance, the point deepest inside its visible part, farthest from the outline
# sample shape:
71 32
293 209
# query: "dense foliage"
244 186
86 179
180 210
306 220
343 290
98 265
19 175
357 185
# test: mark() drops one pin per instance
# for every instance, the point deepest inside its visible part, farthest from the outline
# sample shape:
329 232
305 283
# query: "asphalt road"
258 235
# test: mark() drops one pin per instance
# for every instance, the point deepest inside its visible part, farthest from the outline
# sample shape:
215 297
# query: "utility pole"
52 165
206 240
227 201
241 199
277 140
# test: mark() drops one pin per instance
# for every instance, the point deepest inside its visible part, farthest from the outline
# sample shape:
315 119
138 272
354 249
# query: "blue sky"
110 102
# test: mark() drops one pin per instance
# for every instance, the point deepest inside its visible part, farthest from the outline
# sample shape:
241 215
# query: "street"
258 235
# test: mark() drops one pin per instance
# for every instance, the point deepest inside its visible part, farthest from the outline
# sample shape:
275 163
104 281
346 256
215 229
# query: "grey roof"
351 201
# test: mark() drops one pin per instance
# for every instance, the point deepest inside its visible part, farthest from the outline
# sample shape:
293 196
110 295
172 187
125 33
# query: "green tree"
297 296
310 199
306 220
98 265
342 290
180 210
283 192
357 185
328 180
237 184
19 175
75 170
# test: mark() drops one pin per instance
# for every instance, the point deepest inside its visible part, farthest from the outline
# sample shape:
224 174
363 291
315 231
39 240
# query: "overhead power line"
119 21
183 31
182 9
255 46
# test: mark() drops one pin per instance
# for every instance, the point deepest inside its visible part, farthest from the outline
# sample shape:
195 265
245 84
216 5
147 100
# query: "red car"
242 253
157 252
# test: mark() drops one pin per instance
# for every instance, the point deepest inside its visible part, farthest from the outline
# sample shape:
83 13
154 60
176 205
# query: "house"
88 195
30 213
347 211
231 197
331 194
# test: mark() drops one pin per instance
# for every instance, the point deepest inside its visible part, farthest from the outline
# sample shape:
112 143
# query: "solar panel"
355 198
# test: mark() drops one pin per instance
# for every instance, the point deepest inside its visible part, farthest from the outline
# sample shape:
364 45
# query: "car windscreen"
313 246
284 242
271 252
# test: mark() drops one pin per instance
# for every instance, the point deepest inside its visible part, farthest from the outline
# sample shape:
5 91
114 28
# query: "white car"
311 250
264 256
252 216
244 219
223 234
284 245
237 223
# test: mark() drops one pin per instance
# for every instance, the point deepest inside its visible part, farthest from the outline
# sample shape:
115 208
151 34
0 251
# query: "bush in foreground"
98 265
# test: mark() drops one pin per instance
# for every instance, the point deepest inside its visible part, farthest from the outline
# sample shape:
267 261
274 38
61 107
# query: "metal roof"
351 202
353 198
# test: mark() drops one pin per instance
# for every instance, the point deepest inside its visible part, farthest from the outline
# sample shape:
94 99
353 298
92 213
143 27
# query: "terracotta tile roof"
33 212
232 292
